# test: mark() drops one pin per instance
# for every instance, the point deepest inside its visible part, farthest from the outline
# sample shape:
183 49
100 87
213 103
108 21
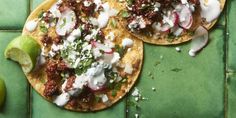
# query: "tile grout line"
30 88
9 30
226 63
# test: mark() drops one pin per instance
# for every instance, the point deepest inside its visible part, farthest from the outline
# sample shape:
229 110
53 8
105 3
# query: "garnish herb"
113 23
64 23
41 14
176 69
43 28
124 13
130 2
120 50
171 36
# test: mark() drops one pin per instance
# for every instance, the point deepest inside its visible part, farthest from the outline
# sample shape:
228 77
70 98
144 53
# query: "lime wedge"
2 92
24 50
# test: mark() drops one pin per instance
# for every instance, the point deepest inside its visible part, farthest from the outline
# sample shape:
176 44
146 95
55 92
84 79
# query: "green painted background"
203 86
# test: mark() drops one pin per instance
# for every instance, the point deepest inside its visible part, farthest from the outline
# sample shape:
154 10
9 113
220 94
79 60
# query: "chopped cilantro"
130 2
176 69
97 99
41 14
43 28
171 36
114 93
113 23
120 50
63 24
124 13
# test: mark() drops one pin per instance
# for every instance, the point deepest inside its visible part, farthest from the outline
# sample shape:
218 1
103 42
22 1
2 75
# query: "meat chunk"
55 68
69 83
51 88
73 103
88 7
52 71
46 40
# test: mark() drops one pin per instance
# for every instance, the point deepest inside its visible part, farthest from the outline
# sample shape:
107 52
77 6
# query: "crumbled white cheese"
66 22
116 58
128 69
31 25
55 47
98 4
110 36
71 38
87 3
127 42
178 31
55 11
104 98
93 21
103 19
96 53
80 81
156 6
178 49
184 1
76 32
62 99
138 22
92 35
135 92
153 88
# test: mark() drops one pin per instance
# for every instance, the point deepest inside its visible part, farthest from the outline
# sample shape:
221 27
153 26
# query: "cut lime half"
24 50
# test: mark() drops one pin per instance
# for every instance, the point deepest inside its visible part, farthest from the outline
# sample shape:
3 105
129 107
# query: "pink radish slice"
102 47
66 22
100 89
185 17
199 40
165 28
176 20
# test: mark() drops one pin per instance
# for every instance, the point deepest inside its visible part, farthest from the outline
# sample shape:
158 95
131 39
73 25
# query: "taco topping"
82 61
161 15
171 17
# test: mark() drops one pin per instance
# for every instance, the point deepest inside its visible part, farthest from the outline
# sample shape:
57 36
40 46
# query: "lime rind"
24 50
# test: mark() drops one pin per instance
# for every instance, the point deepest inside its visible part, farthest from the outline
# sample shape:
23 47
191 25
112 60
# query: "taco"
166 22
88 62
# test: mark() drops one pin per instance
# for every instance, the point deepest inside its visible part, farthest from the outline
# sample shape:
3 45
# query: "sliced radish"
185 17
199 40
101 47
66 22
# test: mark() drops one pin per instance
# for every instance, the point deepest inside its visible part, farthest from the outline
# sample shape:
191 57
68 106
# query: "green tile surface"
231 35
186 87
13 13
16 105
44 109
231 95
195 91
